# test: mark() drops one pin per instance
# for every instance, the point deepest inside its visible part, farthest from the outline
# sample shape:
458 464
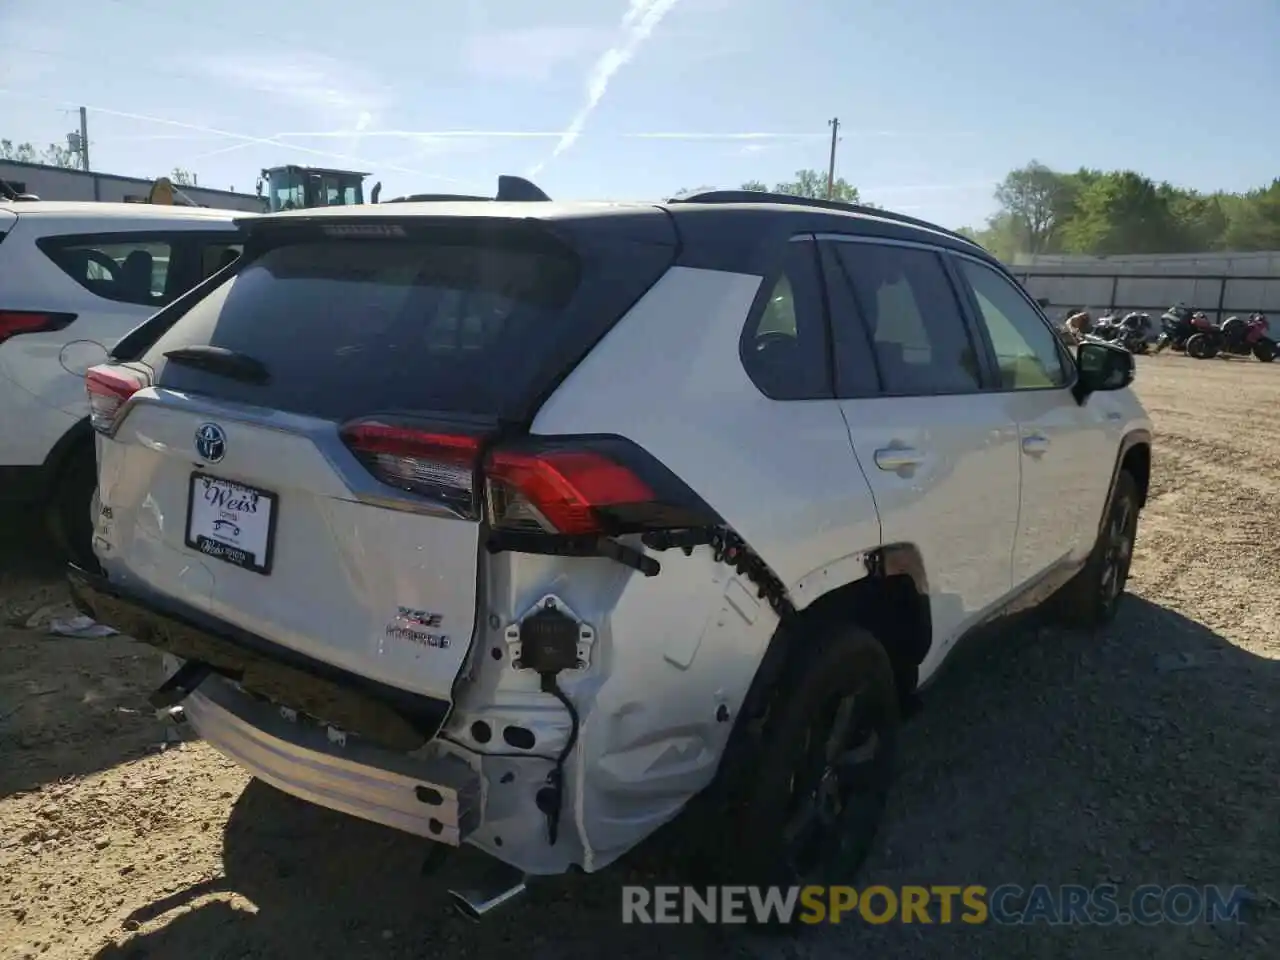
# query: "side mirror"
1103 366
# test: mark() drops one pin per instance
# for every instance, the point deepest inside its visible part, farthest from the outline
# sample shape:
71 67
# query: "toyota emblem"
211 442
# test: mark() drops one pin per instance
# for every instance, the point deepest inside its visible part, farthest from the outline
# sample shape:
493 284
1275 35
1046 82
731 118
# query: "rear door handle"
1035 445
898 459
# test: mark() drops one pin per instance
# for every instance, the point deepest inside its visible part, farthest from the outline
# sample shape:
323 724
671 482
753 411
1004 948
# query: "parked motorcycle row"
1181 329
1193 333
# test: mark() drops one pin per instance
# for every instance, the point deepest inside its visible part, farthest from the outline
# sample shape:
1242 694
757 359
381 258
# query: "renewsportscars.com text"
1008 904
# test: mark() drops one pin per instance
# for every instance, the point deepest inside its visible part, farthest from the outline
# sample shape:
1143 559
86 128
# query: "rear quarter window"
126 271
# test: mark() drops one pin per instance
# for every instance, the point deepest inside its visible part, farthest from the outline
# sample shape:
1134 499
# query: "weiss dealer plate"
231 522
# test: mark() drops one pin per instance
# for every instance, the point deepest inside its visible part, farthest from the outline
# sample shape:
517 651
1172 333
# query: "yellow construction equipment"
164 192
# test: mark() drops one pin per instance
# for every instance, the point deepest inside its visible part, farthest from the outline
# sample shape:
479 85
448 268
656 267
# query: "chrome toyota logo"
211 442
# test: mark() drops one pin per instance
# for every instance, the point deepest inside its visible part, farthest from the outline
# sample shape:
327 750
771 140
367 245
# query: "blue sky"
639 98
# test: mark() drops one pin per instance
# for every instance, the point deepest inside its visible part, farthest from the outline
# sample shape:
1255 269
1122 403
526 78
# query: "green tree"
58 156
1122 212
1254 222
22 152
1035 201
809 183
1200 222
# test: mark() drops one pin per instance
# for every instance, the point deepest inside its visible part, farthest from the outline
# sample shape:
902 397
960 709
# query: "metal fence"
1218 295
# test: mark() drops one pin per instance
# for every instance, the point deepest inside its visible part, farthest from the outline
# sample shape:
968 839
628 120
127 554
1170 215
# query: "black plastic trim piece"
25 484
557 545
759 197
1134 438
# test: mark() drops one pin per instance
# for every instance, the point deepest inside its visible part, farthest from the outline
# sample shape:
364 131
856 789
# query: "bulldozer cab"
295 188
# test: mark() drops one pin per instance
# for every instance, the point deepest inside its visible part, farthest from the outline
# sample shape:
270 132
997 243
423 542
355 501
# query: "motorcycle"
1178 325
1107 327
1133 332
1129 331
1235 338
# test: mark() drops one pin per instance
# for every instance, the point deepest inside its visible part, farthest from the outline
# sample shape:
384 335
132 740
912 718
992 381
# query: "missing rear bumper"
394 718
436 797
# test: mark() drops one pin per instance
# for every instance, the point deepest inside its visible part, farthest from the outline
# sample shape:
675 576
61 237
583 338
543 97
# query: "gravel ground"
1145 754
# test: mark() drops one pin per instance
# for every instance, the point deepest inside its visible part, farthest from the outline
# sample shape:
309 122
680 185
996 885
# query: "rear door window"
348 328
919 337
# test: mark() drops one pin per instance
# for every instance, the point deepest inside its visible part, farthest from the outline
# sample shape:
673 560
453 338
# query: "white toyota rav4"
74 278
520 525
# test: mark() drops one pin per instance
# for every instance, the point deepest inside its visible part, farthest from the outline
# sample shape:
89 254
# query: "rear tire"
805 804
1265 350
71 518
1092 597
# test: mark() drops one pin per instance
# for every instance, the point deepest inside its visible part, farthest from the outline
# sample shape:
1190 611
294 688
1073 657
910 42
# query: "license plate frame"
228 549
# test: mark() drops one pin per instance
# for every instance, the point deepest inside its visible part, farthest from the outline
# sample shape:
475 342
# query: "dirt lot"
1143 755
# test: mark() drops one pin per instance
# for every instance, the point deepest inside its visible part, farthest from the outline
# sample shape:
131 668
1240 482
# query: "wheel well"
1137 461
892 604
64 452
888 606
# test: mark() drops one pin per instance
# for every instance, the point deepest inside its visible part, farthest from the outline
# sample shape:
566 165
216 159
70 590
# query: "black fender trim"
899 559
62 452
1134 438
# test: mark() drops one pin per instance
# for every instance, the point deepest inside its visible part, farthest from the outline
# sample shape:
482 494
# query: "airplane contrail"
639 22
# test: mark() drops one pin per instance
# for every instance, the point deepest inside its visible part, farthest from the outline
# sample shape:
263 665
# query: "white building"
57 183
1220 284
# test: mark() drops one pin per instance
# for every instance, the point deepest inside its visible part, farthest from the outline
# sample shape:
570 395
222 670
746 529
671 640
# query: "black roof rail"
516 189
434 197
760 196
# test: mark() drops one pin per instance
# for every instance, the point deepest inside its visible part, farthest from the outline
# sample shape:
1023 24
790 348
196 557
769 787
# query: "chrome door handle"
896 459
1035 445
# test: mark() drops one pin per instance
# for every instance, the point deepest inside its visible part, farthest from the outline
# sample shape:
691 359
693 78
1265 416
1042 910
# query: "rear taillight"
438 466
16 322
109 388
560 491
568 486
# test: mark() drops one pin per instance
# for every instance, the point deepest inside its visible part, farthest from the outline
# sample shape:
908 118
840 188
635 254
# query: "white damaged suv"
521 524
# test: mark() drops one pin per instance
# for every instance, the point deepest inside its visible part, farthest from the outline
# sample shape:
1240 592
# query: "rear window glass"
349 328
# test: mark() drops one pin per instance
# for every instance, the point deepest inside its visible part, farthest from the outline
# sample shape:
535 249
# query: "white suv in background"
74 279
521 524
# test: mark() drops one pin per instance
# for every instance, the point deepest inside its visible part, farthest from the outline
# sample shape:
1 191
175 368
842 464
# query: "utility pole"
834 124
84 139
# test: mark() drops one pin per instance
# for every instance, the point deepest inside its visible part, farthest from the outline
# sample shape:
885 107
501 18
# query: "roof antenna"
519 189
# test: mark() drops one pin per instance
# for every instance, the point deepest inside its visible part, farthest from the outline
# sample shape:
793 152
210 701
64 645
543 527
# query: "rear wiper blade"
224 362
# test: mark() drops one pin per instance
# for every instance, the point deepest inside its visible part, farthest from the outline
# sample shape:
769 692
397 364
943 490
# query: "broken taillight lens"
558 491
109 388
571 486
